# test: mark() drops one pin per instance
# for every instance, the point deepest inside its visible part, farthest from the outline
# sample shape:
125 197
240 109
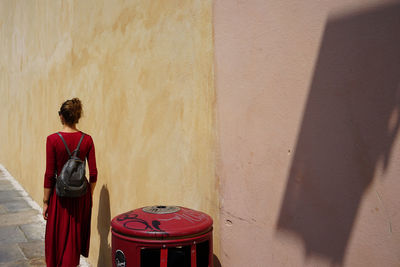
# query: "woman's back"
57 154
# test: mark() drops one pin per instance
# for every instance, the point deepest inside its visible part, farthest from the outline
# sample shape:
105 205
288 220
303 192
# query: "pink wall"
308 113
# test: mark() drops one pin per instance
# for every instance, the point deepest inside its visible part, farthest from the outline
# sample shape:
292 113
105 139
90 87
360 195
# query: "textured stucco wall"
144 71
308 103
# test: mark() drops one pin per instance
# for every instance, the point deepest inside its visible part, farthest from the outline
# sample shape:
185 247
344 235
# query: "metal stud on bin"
162 236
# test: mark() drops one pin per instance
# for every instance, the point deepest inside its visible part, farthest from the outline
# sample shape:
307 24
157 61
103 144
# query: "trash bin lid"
161 222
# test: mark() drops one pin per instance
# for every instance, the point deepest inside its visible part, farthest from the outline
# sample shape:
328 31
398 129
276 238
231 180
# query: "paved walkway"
21 226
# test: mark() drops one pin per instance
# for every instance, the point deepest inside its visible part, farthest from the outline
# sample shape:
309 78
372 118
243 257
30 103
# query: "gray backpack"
72 181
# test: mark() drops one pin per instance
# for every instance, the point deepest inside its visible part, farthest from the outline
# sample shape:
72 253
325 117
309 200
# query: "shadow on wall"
349 125
216 262
103 227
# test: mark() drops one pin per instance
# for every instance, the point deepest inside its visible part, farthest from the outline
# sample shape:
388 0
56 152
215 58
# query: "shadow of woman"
103 227
216 262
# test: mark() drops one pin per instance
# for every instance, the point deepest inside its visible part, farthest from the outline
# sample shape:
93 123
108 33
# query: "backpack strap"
65 144
76 151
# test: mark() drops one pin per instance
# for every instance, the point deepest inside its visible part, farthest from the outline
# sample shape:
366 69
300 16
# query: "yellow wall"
144 72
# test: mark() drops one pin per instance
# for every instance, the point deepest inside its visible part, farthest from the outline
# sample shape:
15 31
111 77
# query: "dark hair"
71 110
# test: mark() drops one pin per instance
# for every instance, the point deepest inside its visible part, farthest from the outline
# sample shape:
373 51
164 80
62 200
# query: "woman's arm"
49 175
92 186
46 197
92 166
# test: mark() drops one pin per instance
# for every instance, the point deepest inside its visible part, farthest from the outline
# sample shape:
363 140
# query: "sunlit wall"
144 72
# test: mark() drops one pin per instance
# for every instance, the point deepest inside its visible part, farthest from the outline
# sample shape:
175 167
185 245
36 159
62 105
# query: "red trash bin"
162 236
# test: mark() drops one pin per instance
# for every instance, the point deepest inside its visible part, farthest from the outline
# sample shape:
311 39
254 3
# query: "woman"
68 219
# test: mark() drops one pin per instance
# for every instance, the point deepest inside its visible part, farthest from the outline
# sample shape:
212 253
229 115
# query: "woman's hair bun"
71 110
76 100
76 103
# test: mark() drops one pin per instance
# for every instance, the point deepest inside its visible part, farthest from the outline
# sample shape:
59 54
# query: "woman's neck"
69 128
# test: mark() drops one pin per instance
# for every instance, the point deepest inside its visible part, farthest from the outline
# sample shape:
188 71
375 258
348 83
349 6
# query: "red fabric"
68 223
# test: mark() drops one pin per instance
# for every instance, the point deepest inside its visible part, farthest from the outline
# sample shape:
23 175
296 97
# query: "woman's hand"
45 207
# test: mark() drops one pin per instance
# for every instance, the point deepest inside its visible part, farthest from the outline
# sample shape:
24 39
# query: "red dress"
68 223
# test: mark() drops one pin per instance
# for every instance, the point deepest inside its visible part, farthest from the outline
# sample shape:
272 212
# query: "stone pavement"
21 226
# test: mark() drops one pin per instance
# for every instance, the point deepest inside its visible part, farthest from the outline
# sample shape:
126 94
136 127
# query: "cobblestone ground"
21 226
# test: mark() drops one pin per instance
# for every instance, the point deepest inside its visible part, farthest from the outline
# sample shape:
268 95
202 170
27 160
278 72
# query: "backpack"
72 181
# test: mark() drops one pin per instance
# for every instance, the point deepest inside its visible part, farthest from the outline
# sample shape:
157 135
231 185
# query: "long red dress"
68 223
